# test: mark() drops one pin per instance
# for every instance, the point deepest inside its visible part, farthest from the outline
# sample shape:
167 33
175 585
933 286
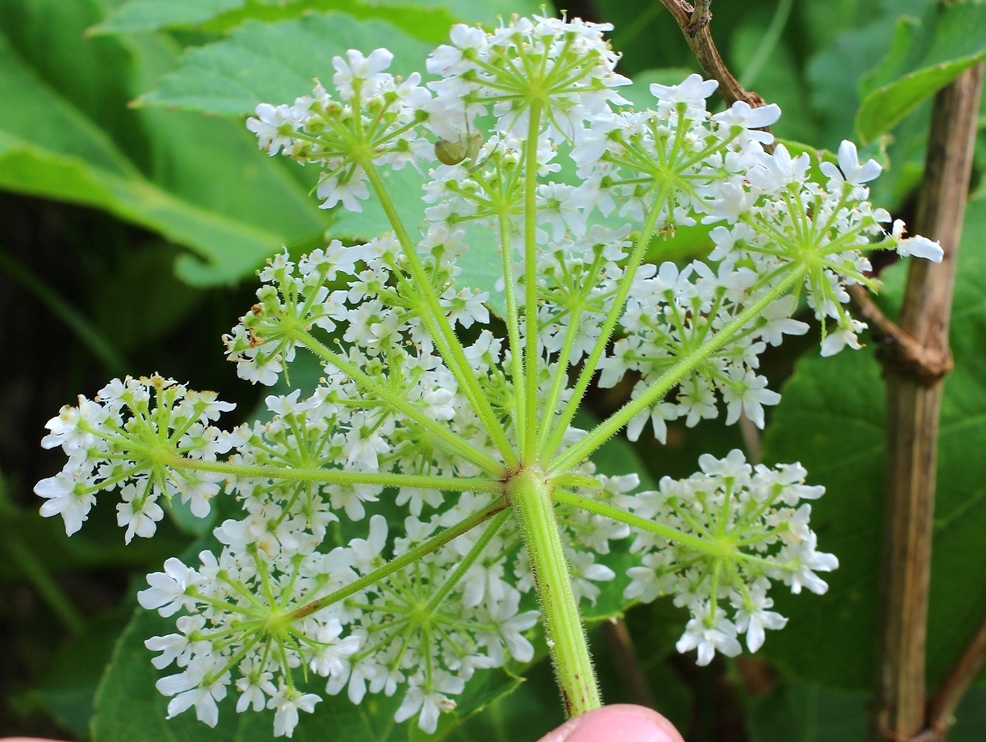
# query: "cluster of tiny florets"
377 547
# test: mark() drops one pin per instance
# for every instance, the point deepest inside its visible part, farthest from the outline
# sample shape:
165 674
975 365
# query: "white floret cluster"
378 547
427 627
729 501
123 440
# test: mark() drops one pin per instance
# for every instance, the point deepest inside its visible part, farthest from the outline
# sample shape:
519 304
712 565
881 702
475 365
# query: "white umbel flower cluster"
378 547
728 502
129 438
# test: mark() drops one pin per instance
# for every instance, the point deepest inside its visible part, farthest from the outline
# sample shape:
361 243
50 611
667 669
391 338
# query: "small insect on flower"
463 148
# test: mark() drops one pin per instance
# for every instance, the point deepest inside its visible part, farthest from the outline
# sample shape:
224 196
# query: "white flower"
366 553
198 686
773 172
509 625
741 114
331 659
753 617
778 321
843 336
138 514
64 498
72 428
167 594
693 91
645 582
807 560
748 395
585 571
852 171
357 67
288 702
254 687
272 126
176 647
918 246
431 701
708 635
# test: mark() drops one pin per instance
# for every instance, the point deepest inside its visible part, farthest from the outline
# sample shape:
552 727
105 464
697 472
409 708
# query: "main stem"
530 495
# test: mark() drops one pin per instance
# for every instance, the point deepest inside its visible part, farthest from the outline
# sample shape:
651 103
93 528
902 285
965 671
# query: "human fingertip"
617 723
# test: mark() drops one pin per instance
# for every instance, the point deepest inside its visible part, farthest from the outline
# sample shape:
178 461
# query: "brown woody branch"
942 705
913 410
907 354
694 24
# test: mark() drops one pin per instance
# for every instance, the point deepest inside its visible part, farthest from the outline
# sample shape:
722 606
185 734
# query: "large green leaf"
798 712
69 686
886 107
53 144
427 20
220 16
276 62
924 58
232 249
832 420
153 15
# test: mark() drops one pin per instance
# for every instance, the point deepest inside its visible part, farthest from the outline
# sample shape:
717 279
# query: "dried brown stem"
942 705
913 407
694 24
627 664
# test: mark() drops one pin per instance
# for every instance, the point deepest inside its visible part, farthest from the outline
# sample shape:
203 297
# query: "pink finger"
620 722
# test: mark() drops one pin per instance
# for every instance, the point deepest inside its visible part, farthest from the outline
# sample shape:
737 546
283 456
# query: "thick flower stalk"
407 524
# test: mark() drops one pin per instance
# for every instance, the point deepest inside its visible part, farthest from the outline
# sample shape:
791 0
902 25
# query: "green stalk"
530 496
432 544
530 286
561 373
338 476
608 428
513 326
616 309
464 448
90 335
456 360
672 534
43 581
474 553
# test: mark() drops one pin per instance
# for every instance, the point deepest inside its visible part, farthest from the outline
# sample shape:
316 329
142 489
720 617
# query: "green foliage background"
134 208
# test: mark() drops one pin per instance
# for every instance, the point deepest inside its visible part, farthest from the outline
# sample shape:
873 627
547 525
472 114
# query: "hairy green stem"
338 476
432 544
672 534
529 448
439 325
616 309
474 553
530 496
467 450
608 428
513 325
